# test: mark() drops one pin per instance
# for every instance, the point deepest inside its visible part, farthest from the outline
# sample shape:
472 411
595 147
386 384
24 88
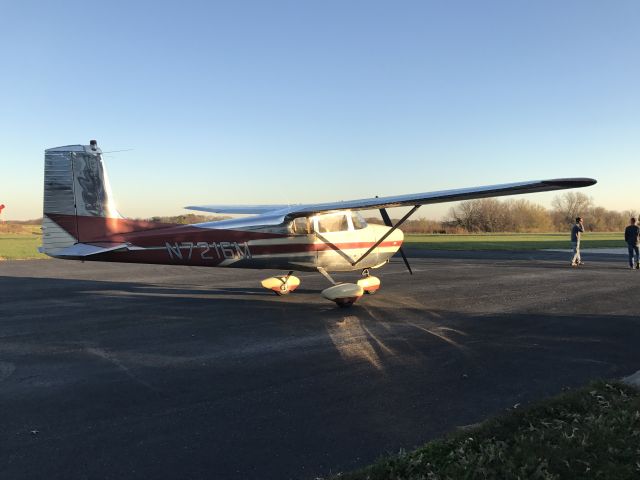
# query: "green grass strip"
22 245
15 246
20 248
590 433
512 241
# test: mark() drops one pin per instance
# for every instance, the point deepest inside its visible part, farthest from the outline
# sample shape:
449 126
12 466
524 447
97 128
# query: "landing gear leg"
326 275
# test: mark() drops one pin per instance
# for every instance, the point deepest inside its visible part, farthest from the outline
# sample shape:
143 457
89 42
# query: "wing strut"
388 223
384 237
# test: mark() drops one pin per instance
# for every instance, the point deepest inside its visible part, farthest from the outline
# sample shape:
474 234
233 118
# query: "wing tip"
571 182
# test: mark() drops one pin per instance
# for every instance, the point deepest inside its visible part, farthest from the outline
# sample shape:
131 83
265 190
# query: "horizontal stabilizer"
86 250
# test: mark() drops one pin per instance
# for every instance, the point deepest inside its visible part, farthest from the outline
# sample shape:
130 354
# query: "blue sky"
301 101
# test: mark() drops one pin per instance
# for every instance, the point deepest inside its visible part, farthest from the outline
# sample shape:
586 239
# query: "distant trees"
569 205
422 225
493 215
526 216
599 219
35 221
482 215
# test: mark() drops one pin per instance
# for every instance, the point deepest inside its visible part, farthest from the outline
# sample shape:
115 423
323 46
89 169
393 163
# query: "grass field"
511 241
20 242
593 432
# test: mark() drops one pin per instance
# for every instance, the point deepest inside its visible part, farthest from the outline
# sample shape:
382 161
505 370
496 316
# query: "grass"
593 432
511 241
20 242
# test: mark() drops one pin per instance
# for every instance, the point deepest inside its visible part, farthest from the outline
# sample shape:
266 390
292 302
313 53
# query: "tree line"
523 216
491 215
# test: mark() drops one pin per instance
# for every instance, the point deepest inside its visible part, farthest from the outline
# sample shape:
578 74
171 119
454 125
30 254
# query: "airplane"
81 222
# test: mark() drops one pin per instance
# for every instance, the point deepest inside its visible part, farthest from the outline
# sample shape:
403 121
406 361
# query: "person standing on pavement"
632 237
576 236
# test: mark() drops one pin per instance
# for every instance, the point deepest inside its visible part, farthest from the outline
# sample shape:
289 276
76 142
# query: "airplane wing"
302 210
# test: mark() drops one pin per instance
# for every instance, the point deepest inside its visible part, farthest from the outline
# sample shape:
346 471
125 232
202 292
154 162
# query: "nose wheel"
344 294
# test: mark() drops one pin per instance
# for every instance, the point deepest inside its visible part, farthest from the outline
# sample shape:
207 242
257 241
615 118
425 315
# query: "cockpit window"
358 222
332 223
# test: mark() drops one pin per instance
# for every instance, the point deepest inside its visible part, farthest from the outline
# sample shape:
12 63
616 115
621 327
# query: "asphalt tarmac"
134 371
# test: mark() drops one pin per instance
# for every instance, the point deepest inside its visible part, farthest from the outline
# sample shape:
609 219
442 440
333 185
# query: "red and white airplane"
81 222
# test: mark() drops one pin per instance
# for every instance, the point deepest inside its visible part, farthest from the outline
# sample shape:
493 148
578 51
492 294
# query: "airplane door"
341 241
366 236
303 228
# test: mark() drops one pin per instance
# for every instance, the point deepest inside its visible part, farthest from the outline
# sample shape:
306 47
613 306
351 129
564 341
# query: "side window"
332 223
358 222
324 224
343 223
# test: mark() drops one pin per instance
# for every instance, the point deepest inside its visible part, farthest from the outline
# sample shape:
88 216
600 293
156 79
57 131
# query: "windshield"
301 225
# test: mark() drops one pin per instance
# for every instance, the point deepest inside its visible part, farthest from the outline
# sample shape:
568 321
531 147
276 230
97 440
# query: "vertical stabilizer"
77 196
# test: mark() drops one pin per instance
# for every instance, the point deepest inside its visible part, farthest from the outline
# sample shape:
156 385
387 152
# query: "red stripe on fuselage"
315 247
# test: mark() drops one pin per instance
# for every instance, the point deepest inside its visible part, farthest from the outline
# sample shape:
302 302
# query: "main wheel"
283 290
283 285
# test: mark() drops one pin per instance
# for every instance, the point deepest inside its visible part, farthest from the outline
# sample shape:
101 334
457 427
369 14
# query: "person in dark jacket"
576 236
632 237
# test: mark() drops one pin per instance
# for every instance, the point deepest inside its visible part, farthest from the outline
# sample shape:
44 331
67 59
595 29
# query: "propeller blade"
387 221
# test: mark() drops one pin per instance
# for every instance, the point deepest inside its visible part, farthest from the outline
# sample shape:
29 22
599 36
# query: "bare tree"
525 216
627 214
482 215
568 206
464 215
600 219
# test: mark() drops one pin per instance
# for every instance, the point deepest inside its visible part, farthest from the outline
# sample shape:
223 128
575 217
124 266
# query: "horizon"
302 103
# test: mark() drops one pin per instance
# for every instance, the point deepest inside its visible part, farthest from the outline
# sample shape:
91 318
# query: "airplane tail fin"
78 204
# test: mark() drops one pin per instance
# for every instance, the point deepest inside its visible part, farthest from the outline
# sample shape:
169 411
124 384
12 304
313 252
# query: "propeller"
387 222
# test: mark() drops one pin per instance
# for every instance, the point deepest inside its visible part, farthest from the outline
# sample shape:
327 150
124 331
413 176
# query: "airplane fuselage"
258 247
